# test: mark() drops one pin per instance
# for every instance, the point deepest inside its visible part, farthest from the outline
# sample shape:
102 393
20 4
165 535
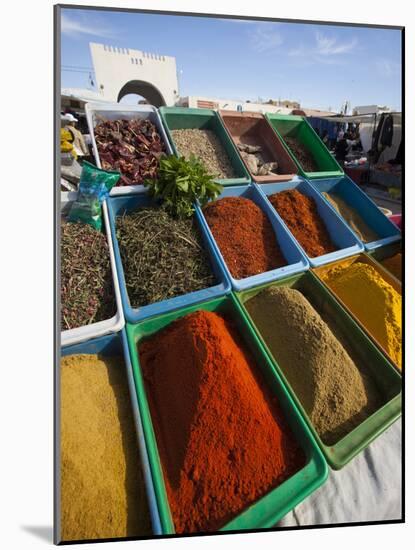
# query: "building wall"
115 67
229 104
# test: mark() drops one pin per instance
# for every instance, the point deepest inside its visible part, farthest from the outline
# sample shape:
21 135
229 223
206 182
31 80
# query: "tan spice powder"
352 218
102 488
334 393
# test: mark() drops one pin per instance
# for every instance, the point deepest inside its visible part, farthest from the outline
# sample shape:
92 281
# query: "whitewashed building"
203 102
122 71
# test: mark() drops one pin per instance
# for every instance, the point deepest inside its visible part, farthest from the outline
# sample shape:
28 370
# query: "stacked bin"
253 129
279 501
354 197
342 236
296 260
181 118
298 127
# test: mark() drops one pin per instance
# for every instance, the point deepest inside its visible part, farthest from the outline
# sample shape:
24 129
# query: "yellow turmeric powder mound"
376 304
394 265
102 488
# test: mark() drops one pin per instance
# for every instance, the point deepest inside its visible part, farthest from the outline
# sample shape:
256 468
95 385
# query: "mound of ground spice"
102 488
352 218
87 289
244 235
334 393
302 154
376 304
205 145
222 438
301 216
394 265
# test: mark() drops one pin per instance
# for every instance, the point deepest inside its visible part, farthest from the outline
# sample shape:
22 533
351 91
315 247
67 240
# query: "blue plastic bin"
116 344
342 236
116 207
351 193
296 259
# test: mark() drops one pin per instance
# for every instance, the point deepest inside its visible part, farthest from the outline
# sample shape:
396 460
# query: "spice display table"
201 362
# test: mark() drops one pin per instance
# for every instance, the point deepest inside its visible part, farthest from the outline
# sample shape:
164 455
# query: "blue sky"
319 65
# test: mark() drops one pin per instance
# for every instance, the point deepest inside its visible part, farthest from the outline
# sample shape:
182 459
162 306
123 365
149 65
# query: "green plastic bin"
279 501
177 118
298 127
364 352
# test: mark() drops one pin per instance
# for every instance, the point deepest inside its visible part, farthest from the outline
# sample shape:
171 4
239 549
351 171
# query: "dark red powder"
300 214
244 235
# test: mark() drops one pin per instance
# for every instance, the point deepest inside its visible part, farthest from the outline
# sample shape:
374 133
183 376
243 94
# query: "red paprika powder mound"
222 438
300 214
244 235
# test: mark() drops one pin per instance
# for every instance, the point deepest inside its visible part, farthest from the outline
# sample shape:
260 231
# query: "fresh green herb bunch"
181 183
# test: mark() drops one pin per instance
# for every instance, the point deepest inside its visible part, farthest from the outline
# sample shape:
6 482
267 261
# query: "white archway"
145 89
119 71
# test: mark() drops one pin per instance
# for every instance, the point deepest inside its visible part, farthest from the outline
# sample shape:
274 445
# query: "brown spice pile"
223 440
244 235
300 213
335 394
102 488
205 145
394 265
302 154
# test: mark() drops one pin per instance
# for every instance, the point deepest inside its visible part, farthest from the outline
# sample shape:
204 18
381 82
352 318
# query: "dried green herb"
87 293
162 256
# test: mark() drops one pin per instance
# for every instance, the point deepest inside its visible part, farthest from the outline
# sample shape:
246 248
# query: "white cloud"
327 50
73 27
266 37
330 46
387 68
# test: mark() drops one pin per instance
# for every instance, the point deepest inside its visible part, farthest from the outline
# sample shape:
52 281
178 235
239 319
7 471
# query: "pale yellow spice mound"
376 304
102 489
352 217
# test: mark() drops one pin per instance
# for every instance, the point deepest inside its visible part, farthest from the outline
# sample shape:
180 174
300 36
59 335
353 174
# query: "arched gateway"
122 71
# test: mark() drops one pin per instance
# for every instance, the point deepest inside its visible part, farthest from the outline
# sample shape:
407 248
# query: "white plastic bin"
115 111
101 328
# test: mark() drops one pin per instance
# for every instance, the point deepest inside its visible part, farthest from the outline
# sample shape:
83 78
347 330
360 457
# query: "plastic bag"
94 187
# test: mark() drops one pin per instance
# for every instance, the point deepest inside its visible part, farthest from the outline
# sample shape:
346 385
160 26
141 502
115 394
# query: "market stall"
253 319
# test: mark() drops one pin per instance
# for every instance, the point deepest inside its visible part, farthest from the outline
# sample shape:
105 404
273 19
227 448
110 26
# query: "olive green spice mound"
162 256
87 290
102 487
334 393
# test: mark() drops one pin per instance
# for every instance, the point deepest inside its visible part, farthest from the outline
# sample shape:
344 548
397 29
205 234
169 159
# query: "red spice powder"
244 235
222 438
300 214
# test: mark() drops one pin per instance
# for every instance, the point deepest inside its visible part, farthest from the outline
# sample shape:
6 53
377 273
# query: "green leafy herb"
181 183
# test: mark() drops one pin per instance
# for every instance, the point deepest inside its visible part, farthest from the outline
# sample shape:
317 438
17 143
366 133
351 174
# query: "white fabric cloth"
366 489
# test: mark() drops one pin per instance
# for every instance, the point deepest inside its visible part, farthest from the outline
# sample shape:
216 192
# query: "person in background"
325 138
66 139
341 148
78 141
